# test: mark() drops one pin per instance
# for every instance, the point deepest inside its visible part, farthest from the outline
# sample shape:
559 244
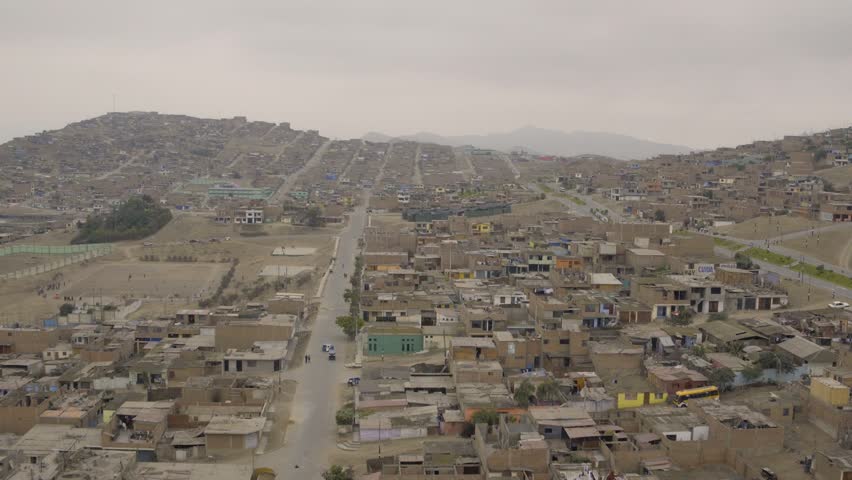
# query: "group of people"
307 358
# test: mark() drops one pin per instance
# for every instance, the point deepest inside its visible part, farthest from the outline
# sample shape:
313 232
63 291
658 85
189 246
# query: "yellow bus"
682 396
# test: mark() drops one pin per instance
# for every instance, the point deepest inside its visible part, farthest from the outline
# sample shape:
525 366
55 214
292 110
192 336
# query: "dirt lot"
833 247
124 273
760 228
798 293
148 279
389 221
21 261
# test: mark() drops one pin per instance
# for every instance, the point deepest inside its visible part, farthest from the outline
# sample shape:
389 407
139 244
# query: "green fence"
68 255
55 249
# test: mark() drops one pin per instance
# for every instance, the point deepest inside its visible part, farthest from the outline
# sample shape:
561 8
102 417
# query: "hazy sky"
696 73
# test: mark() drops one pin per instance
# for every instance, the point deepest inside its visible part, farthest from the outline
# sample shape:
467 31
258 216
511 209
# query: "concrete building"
263 358
229 433
392 339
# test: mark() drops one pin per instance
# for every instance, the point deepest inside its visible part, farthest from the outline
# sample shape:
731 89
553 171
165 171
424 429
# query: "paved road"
793 275
290 181
313 433
582 209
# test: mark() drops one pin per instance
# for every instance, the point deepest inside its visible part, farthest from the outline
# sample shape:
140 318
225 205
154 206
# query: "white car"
838 305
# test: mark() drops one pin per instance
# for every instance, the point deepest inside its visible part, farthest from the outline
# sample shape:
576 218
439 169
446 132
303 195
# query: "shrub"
345 416
66 309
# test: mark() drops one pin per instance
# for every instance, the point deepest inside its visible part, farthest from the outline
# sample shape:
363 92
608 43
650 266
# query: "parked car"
353 381
838 305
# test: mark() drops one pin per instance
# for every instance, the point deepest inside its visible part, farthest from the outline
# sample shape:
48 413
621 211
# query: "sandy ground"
124 273
22 261
833 247
389 221
760 228
798 293
148 279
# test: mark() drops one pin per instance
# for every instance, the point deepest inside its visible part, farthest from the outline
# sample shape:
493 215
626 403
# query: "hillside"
839 177
555 142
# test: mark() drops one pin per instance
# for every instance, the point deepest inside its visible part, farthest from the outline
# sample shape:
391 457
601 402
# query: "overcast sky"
701 74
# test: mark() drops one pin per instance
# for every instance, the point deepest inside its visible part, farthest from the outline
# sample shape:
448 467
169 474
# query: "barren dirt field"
21 261
148 279
768 227
760 228
834 247
127 273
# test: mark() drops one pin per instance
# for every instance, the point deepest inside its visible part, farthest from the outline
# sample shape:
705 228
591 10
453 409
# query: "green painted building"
393 340
243 193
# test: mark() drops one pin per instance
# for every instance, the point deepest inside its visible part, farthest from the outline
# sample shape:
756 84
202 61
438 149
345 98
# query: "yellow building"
830 391
640 399
460 274
482 228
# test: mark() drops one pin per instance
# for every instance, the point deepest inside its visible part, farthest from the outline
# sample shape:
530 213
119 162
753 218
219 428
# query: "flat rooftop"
191 471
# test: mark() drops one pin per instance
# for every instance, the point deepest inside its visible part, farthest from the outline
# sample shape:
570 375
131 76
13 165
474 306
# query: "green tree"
780 362
743 261
523 394
682 317
345 416
699 351
487 415
717 316
336 472
313 217
138 217
660 215
752 372
548 391
348 324
722 377
736 348
66 309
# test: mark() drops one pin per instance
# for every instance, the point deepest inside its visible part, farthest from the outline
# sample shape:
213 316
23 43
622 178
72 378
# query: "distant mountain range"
552 142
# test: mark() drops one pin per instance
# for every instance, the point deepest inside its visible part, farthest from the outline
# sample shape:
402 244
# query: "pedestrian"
309 359
306 359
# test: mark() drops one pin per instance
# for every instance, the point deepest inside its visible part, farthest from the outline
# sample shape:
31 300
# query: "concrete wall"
231 442
19 420
29 341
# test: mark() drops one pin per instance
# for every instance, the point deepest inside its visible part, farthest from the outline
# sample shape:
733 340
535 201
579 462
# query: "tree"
488 415
523 394
681 317
752 372
348 324
736 348
718 316
660 215
780 362
699 351
345 416
722 377
66 309
548 391
137 218
313 217
336 472
743 261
